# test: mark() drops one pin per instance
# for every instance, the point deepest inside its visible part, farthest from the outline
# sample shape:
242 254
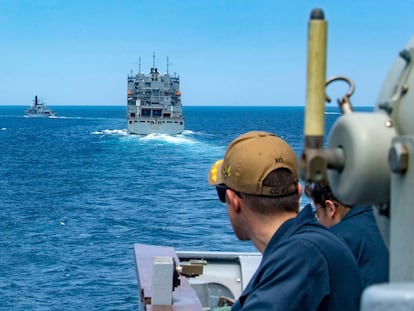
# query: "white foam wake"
178 139
111 132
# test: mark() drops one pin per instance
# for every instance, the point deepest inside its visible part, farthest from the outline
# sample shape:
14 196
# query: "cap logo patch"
227 171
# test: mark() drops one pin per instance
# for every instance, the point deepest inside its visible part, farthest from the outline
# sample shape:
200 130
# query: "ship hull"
40 115
154 126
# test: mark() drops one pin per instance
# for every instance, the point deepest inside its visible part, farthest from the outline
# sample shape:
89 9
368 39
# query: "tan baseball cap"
248 161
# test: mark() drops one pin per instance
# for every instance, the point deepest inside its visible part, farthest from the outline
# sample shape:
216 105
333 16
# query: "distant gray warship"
39 110
154 103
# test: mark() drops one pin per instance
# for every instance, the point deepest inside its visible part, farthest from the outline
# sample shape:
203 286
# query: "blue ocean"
76 193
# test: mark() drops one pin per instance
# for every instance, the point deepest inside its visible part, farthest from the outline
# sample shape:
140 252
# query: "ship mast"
139 65
168 64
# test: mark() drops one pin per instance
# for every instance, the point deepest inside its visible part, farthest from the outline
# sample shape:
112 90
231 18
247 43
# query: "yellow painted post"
316 77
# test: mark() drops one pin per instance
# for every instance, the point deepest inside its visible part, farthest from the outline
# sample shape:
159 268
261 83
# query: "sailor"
357 227
304 265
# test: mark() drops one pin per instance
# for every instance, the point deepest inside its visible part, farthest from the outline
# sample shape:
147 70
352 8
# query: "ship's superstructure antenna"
168 64
139 65
153 59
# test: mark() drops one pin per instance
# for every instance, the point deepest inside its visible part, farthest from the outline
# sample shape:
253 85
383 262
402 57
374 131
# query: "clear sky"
227 52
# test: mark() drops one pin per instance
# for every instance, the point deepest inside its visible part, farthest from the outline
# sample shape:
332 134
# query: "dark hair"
279 178
319 192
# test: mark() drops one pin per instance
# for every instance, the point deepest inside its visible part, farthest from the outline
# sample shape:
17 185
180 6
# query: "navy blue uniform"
360 232
304 267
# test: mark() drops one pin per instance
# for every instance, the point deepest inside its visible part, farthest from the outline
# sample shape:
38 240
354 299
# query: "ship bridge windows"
156 113
146 112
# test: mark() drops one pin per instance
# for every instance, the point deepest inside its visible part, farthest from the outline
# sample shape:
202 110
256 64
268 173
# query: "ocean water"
76 193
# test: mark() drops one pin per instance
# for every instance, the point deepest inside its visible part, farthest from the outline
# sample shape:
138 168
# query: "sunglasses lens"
221 192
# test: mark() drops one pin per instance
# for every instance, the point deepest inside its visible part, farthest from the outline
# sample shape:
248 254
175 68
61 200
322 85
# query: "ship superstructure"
154 103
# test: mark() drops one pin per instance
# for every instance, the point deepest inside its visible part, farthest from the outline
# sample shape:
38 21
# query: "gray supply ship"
39 110
154 103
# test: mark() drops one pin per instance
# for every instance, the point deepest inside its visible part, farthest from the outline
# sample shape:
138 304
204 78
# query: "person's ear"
330 208
299 189
233 200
